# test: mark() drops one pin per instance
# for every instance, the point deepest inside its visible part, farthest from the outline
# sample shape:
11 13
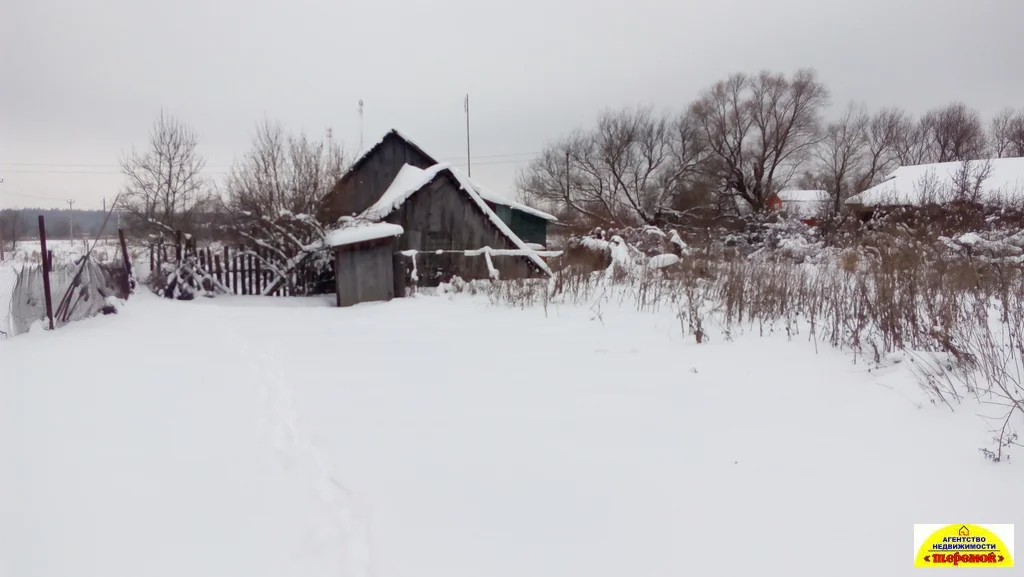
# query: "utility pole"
469 164
71 219
360 125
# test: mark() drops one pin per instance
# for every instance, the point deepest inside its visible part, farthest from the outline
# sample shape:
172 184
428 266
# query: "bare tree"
625 171
881 140
912 145
1016 136
758 130
841 152
1000 137
953 133
165 184
968 180
13 226
275 193
284 173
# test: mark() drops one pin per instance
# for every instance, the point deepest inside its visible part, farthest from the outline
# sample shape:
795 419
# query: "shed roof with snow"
998 180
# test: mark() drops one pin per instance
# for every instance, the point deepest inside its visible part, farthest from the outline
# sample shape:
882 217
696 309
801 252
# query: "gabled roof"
914 185
411 180
369 152
487 195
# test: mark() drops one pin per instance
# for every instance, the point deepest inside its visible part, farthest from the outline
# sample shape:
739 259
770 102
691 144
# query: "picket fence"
243 273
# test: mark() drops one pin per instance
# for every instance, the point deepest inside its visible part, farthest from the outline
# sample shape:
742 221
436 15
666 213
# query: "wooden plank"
127 286
242 272
46 270
216 269
236 288
225 261
258 285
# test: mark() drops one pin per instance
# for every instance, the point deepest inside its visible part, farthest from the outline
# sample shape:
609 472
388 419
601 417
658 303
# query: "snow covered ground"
442 436
28 251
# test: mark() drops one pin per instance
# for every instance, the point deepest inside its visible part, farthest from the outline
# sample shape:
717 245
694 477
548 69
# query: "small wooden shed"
363 262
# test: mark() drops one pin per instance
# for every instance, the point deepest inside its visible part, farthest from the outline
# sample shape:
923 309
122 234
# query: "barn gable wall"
365 183
442 217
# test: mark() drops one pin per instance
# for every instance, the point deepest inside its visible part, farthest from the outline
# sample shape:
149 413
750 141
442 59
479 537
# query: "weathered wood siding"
370 177
364 273
442 217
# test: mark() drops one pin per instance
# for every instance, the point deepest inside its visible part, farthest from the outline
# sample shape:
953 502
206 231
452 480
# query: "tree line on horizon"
743 139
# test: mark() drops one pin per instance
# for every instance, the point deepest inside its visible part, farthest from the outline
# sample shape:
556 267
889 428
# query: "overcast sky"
81 81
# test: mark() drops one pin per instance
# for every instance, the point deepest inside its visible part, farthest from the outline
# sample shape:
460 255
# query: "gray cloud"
81 81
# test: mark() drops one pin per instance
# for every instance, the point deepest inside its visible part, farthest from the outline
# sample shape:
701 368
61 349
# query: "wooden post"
177 246
46 270
216 268
259 275
224 259
234 274
245 277
152 262
127 264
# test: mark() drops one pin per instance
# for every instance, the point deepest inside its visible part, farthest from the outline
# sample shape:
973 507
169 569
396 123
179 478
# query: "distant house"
374 171
404 220
995 181
807 205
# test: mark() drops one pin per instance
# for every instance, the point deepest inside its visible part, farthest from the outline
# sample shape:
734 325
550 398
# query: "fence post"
177 246
127 263
259 274
46 270
234 273
245 274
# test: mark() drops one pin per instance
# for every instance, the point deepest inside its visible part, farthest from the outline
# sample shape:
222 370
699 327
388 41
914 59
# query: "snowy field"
29 251
444 437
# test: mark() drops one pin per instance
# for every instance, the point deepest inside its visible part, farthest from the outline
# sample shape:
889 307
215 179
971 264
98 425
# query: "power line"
226 172
33 165
23 195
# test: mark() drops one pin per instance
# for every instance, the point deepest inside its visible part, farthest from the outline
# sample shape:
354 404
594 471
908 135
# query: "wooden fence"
242 272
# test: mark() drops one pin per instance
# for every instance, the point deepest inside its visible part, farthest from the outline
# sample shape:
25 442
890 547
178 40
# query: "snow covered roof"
391 133
496 198
804 203
411 180
362 232
408 181
484 193
914 185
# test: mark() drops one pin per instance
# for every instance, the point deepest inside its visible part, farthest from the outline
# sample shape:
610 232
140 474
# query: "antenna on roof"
469 165
360 125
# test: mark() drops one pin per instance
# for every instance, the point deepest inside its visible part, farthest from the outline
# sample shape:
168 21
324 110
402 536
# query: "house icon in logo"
964 532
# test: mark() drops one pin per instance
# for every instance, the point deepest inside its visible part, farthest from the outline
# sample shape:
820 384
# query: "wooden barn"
372 174
431 223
